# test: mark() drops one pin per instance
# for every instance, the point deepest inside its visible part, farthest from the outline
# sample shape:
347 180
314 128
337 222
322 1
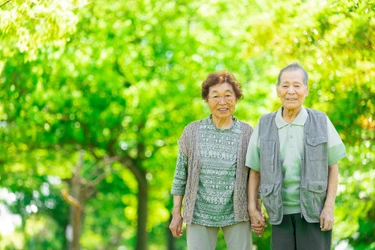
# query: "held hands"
176 226
326 218
258 220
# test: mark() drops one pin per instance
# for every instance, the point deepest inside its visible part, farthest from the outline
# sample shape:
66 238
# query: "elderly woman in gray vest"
293 156
211 177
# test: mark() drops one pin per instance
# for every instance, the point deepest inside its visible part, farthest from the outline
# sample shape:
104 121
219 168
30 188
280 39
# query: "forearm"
253 189
177 204
333 179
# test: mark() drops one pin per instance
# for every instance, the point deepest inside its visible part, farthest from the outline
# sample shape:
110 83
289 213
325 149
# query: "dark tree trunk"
76 200
142 236
140 175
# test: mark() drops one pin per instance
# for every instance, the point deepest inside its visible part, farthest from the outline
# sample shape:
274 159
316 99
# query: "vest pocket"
271 194
316 195
317 148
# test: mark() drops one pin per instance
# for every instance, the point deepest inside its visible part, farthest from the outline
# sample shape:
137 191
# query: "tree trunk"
76 200
140 175
141 243
76 210
76 223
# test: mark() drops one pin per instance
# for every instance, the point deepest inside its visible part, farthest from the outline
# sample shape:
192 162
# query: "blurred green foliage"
119 80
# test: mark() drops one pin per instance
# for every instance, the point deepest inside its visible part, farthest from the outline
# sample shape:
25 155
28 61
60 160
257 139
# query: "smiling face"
291 91
222 101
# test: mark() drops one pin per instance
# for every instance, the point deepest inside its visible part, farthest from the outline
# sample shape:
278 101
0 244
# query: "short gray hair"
292 67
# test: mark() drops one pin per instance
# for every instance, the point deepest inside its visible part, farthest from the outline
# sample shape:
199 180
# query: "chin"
292 107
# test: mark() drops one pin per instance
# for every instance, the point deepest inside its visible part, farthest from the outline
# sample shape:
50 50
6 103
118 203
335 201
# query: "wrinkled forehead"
295 74
221 87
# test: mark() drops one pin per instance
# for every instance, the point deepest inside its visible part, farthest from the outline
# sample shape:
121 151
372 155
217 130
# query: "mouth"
222 110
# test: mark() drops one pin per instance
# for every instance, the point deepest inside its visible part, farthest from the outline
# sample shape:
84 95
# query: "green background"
95 94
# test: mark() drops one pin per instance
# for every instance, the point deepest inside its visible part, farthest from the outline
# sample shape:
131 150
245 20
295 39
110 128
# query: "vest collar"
300 119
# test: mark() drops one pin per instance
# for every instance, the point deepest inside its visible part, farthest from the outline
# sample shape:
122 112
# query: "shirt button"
320 187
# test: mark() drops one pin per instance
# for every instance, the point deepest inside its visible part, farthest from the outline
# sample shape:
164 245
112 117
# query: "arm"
178 191
327 214
258 221
176 223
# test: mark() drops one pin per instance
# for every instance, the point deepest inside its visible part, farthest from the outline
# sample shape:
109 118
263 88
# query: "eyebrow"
228 90
291 82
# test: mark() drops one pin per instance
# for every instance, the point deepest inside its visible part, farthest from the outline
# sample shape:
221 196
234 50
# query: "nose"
222 100
291 90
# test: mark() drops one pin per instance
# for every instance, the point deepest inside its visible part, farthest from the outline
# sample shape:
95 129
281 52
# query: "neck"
222 123
290 115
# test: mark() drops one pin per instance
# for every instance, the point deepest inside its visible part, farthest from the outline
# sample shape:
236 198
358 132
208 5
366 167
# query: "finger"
256 226
174 227
259 232
321 222
325 225
257 229
175 232
180 230
329 222
263 221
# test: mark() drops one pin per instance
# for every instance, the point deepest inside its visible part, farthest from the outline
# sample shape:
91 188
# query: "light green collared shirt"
291 137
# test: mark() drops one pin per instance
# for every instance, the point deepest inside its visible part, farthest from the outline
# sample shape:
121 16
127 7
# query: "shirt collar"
300 119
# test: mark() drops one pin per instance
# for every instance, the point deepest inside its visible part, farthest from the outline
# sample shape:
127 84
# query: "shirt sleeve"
336 148
252 155
180 176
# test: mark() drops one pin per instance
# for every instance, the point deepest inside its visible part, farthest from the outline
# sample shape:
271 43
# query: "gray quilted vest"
314 169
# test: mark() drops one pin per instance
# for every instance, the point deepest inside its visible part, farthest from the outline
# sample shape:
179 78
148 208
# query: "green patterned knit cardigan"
190 148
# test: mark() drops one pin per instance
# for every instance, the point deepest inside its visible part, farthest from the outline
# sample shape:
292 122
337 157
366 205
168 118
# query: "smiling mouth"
223 109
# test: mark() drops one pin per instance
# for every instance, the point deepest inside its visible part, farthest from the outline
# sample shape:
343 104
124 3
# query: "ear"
277 90
307 91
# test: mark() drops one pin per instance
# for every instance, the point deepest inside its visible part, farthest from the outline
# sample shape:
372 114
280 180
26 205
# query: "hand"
326 219
176 226
258 220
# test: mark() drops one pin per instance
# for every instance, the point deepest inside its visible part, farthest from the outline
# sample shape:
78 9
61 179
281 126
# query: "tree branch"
131 164
4 3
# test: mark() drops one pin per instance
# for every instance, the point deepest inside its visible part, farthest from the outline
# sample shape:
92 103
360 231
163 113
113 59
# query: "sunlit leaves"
27 26
122 78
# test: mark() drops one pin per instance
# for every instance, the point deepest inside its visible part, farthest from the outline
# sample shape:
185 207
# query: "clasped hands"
257 219
258 222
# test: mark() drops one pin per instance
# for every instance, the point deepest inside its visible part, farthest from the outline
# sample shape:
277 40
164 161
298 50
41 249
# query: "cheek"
211 106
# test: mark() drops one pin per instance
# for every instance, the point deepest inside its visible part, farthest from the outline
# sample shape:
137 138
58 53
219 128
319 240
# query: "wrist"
252 208
176 212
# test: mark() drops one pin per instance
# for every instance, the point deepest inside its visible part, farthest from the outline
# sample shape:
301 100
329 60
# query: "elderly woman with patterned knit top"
211 178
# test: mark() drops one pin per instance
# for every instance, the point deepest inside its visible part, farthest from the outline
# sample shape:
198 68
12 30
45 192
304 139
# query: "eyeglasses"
217 98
